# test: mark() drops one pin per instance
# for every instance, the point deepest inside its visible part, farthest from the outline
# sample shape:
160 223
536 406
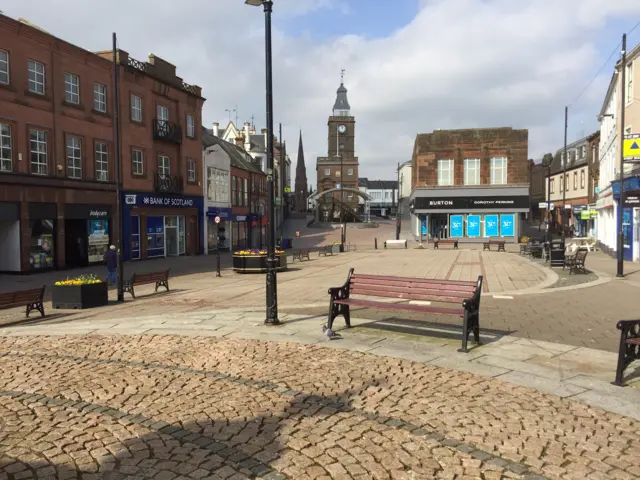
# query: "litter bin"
287 243
557 253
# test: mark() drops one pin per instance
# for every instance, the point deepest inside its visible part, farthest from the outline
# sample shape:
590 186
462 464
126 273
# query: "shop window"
472 171
164 166
445 172
98 231
99 97
498 171
6 164
137 162
74 157
102 162
38 152
36 77
72 88
41 245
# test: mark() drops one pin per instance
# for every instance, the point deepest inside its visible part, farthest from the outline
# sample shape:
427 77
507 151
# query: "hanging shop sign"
476 203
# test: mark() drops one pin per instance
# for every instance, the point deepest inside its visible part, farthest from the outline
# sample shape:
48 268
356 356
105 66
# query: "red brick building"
57 157
470 184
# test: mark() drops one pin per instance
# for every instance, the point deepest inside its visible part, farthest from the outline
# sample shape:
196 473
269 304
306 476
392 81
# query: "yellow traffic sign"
631 147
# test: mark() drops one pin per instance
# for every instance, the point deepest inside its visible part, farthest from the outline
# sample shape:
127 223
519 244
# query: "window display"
42 247
98 232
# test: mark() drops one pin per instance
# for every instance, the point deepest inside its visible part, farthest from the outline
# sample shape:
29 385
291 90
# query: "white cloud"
459 63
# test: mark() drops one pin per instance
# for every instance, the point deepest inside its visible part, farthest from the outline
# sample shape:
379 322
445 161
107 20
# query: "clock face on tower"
342 128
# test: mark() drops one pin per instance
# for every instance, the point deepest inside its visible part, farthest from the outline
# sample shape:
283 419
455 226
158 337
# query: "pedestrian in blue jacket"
111 260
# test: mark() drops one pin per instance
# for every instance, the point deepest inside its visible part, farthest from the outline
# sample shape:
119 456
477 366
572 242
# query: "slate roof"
382 185
572 152
341 99
237 156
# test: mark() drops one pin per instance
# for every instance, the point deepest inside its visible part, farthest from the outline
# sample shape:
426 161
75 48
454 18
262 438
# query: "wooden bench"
576 262
326 250
32 299
465 294
161 279
301 254
492 241
629 349
450 241
400 243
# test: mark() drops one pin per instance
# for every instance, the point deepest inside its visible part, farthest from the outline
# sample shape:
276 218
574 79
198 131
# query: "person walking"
111 261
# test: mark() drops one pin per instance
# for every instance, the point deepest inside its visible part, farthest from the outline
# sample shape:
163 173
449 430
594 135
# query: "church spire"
341 108
301 180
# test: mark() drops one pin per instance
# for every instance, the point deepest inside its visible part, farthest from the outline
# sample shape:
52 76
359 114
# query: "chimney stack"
216 129
240 141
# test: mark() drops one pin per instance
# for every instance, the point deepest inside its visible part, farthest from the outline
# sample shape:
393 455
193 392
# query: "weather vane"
342 76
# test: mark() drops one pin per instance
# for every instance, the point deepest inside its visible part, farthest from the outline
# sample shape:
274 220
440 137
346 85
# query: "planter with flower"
336 247
84 291
255 261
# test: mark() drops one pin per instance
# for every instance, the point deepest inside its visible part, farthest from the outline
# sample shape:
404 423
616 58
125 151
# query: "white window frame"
74 157
72 88
164 166
191 126
327 172
136 108
162 113
137 162
6 150
494 177
629 79
217 185
472 171
102 162
38 152
99 97
5 73
36 74
582 179
191 170
349 171
445 175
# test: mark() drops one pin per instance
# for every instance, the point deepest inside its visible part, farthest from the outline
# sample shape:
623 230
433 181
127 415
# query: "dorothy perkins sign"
471 203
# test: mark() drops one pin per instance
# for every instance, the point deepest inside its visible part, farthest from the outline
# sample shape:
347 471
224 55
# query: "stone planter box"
257 263
80 296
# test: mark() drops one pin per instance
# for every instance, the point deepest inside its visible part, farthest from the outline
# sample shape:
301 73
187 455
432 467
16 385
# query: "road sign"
217 219
631 148
287 189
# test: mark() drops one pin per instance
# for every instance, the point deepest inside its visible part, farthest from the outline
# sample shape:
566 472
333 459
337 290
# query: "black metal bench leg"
465 332
346 312
622 364
29 308
332 314
476 328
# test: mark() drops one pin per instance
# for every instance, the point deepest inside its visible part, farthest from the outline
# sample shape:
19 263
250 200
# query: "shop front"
86 234
478 215
43 236
218 233
630 225
9 237
239 232
157 225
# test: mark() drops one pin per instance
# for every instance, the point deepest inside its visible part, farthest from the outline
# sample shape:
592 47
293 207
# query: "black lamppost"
272 288
116 142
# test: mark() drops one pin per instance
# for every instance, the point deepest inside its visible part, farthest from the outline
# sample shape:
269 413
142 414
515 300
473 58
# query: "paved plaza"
191 384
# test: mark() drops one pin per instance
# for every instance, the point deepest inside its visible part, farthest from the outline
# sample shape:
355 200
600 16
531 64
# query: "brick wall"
471 143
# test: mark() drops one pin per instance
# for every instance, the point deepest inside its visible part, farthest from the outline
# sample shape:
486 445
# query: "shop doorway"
171 236
627 234
439 228
76 243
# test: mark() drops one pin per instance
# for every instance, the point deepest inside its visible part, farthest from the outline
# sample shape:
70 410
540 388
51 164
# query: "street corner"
166 406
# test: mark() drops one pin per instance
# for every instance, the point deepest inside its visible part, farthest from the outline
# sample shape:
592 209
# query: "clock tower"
339 169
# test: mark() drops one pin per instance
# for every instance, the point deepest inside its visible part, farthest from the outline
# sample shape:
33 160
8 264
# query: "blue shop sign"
157 200
240 218
456 226
473 226
491 226
631 183
223 213
506 225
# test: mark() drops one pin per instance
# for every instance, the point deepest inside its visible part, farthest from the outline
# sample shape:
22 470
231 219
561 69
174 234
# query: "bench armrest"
627 324
335 291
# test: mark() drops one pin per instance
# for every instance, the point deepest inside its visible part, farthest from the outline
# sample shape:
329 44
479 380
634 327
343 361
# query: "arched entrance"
329 209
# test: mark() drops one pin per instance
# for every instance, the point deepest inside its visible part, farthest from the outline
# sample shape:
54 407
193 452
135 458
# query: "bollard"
375 243
218 274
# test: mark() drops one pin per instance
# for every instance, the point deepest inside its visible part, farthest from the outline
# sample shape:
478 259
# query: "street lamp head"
254 3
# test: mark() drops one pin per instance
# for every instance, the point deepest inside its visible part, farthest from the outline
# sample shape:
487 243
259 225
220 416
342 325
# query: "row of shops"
36 236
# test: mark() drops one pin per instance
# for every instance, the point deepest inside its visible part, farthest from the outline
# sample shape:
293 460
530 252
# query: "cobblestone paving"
180 407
